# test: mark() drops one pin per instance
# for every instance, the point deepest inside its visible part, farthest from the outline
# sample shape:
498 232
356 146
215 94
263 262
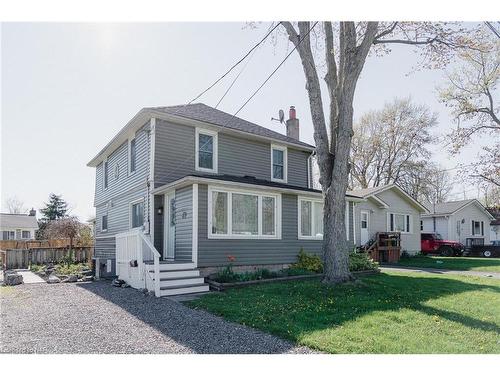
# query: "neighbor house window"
104 223
8 235
137 214
206 150
239 213
105 172
278 163
399 223
310 218
477 228
133 151
26 235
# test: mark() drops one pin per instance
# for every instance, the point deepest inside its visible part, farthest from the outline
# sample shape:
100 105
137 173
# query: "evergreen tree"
56 208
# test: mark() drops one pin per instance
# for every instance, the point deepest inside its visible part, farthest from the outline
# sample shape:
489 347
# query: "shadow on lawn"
291 309
197 330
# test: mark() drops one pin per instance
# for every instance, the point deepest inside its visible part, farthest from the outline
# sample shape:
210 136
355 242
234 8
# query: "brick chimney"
292 124
32 212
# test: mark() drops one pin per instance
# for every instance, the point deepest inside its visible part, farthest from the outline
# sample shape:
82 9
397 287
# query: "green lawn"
385 313
453 263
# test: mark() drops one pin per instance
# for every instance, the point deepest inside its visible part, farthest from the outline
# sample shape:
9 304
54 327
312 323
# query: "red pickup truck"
433 243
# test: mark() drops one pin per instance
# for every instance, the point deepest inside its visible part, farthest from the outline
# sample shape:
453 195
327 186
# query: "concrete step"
186 289
171 266
181 281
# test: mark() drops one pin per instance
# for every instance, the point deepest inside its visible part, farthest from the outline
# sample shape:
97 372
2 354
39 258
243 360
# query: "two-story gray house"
181 190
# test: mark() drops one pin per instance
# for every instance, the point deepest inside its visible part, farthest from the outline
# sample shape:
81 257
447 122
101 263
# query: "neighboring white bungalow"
458 221
388 208
18 226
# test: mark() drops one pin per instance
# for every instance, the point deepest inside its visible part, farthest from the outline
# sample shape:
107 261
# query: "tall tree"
15 206
346 48
388 143
470 93
56 208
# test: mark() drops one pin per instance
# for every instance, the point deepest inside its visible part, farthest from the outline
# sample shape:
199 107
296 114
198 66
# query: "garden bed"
218 286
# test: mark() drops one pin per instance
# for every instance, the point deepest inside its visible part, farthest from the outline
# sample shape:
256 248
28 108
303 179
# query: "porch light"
160 210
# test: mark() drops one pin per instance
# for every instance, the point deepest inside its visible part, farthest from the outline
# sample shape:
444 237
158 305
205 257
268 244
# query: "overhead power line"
276 69
236 64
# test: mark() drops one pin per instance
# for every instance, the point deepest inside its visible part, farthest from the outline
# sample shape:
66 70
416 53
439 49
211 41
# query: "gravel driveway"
98 318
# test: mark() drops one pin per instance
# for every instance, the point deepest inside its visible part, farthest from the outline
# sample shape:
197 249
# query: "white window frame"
129 169
260 195
107 223
313 220
481 228
285 163
29 234
215 150
405 215
104 169
140 200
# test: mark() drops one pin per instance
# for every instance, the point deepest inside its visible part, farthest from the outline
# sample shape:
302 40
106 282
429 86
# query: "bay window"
310 218
399 223
242 214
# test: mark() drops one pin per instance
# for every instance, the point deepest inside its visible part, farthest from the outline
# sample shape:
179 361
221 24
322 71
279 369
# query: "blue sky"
68 88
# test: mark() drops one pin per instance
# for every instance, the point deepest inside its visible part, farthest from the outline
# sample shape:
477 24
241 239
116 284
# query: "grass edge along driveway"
386 313
453 263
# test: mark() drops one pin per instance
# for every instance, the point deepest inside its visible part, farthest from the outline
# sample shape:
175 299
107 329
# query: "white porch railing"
135 246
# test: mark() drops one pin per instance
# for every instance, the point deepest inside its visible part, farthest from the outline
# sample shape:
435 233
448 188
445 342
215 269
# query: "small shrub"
37 267
308 262
70 269
404 255
361 262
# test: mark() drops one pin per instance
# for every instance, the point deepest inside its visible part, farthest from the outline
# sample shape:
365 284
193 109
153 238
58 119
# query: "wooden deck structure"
386 248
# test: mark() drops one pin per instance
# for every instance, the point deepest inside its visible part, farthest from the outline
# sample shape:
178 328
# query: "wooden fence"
23 258
32 244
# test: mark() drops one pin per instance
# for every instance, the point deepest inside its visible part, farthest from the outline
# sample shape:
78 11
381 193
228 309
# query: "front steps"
178 278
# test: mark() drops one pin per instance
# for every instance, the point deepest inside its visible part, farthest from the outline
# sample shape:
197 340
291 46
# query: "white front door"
169 225
365 230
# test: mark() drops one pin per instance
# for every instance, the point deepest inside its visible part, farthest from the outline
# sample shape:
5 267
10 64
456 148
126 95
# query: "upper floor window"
104 223
477 228
206 150
8 235
26 235
105 173
243 214
133 152
278 163
137 214
399 223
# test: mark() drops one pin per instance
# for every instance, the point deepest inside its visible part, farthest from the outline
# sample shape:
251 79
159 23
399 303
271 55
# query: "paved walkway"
99 318
494 275
30 277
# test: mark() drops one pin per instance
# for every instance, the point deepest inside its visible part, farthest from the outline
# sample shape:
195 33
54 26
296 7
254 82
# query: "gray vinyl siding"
378 218
105 248
184 223
175 156
214 252
120 158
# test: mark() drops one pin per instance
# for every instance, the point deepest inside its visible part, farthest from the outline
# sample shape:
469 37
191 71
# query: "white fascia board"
477 203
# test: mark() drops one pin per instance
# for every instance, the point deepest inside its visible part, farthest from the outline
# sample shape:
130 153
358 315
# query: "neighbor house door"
365 230
169 245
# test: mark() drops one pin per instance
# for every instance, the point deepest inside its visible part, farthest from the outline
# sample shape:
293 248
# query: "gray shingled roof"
205 113
366 192
447 207
13 221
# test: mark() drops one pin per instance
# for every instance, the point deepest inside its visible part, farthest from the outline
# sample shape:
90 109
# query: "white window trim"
346 219
477 221
405 215
259 194
104 164
313 218
129 158
215 150
285 163
107 224
139 200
